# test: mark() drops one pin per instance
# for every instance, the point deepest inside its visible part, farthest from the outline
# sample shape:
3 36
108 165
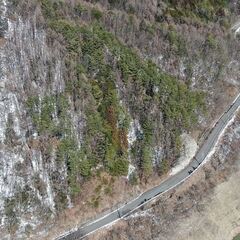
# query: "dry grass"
83 210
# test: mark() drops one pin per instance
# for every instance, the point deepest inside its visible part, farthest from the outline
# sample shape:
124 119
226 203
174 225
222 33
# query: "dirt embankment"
207 206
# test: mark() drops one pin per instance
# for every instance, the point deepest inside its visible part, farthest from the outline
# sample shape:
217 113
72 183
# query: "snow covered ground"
236 28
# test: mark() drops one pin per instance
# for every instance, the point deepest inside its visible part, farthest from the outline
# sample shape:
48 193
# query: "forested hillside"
97 93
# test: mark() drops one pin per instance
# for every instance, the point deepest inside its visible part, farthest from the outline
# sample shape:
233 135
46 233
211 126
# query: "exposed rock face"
75 101
189 149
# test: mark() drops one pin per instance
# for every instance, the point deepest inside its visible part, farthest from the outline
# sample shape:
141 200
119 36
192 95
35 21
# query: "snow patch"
158 155
38 167
237 132
131 169
236 28
146 213
182 69
134 131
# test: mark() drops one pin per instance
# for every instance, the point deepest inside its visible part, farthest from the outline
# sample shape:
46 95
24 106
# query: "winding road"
165 186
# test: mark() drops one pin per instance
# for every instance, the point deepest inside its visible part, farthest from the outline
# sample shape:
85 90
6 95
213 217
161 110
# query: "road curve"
165 186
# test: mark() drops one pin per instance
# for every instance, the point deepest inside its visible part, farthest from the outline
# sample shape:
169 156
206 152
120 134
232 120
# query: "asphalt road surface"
171 182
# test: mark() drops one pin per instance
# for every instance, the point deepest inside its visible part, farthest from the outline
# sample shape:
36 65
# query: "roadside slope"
206 150
207 206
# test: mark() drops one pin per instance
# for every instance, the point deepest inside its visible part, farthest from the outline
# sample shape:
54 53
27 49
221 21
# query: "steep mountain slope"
95 90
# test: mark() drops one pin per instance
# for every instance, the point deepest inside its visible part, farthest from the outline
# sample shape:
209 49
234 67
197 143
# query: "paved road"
164 186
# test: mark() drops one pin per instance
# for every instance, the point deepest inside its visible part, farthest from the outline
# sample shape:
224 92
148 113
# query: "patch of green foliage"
237 237
101 59
178 103
12 221
164 167
97 14
79 9
211 42
176 42
48 8
205 10
147 161
70 32
43 111
50 117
